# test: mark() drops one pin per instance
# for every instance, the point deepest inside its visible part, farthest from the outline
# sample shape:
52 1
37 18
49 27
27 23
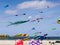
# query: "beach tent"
19 42
34 42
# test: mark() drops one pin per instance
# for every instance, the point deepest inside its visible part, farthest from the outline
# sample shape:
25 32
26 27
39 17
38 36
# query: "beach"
12 42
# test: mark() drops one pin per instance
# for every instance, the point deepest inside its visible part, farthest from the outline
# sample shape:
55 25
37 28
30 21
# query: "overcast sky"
32 9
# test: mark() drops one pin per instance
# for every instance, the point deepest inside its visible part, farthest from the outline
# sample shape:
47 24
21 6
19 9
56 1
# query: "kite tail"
10 24
28 20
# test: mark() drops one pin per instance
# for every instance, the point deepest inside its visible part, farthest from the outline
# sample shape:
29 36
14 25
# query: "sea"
32 37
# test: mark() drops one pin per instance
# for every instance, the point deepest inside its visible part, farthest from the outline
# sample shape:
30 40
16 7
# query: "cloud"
14 12
36 5
32 5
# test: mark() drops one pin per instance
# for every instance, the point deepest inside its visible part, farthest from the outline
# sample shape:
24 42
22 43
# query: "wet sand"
12 42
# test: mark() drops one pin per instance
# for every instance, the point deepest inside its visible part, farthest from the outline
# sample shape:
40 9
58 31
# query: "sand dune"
12 42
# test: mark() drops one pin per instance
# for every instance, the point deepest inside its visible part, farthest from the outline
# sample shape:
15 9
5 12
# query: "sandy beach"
12 42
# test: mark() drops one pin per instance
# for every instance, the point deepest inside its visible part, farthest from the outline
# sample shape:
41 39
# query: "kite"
6 6
58 21
53 28
33 28
41 11
24 14
36 33
37 19
18 22
33 20
16 15
42 37
47 6
45 34
39 32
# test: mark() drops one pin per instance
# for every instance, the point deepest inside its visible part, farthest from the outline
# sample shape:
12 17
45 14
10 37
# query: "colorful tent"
34 42
19 42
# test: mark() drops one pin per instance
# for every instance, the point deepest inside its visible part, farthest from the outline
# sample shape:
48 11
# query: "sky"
32 9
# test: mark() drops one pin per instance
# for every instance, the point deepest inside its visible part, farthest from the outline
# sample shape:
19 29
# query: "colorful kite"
37 19
53 28
18 22
58 21
36 33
